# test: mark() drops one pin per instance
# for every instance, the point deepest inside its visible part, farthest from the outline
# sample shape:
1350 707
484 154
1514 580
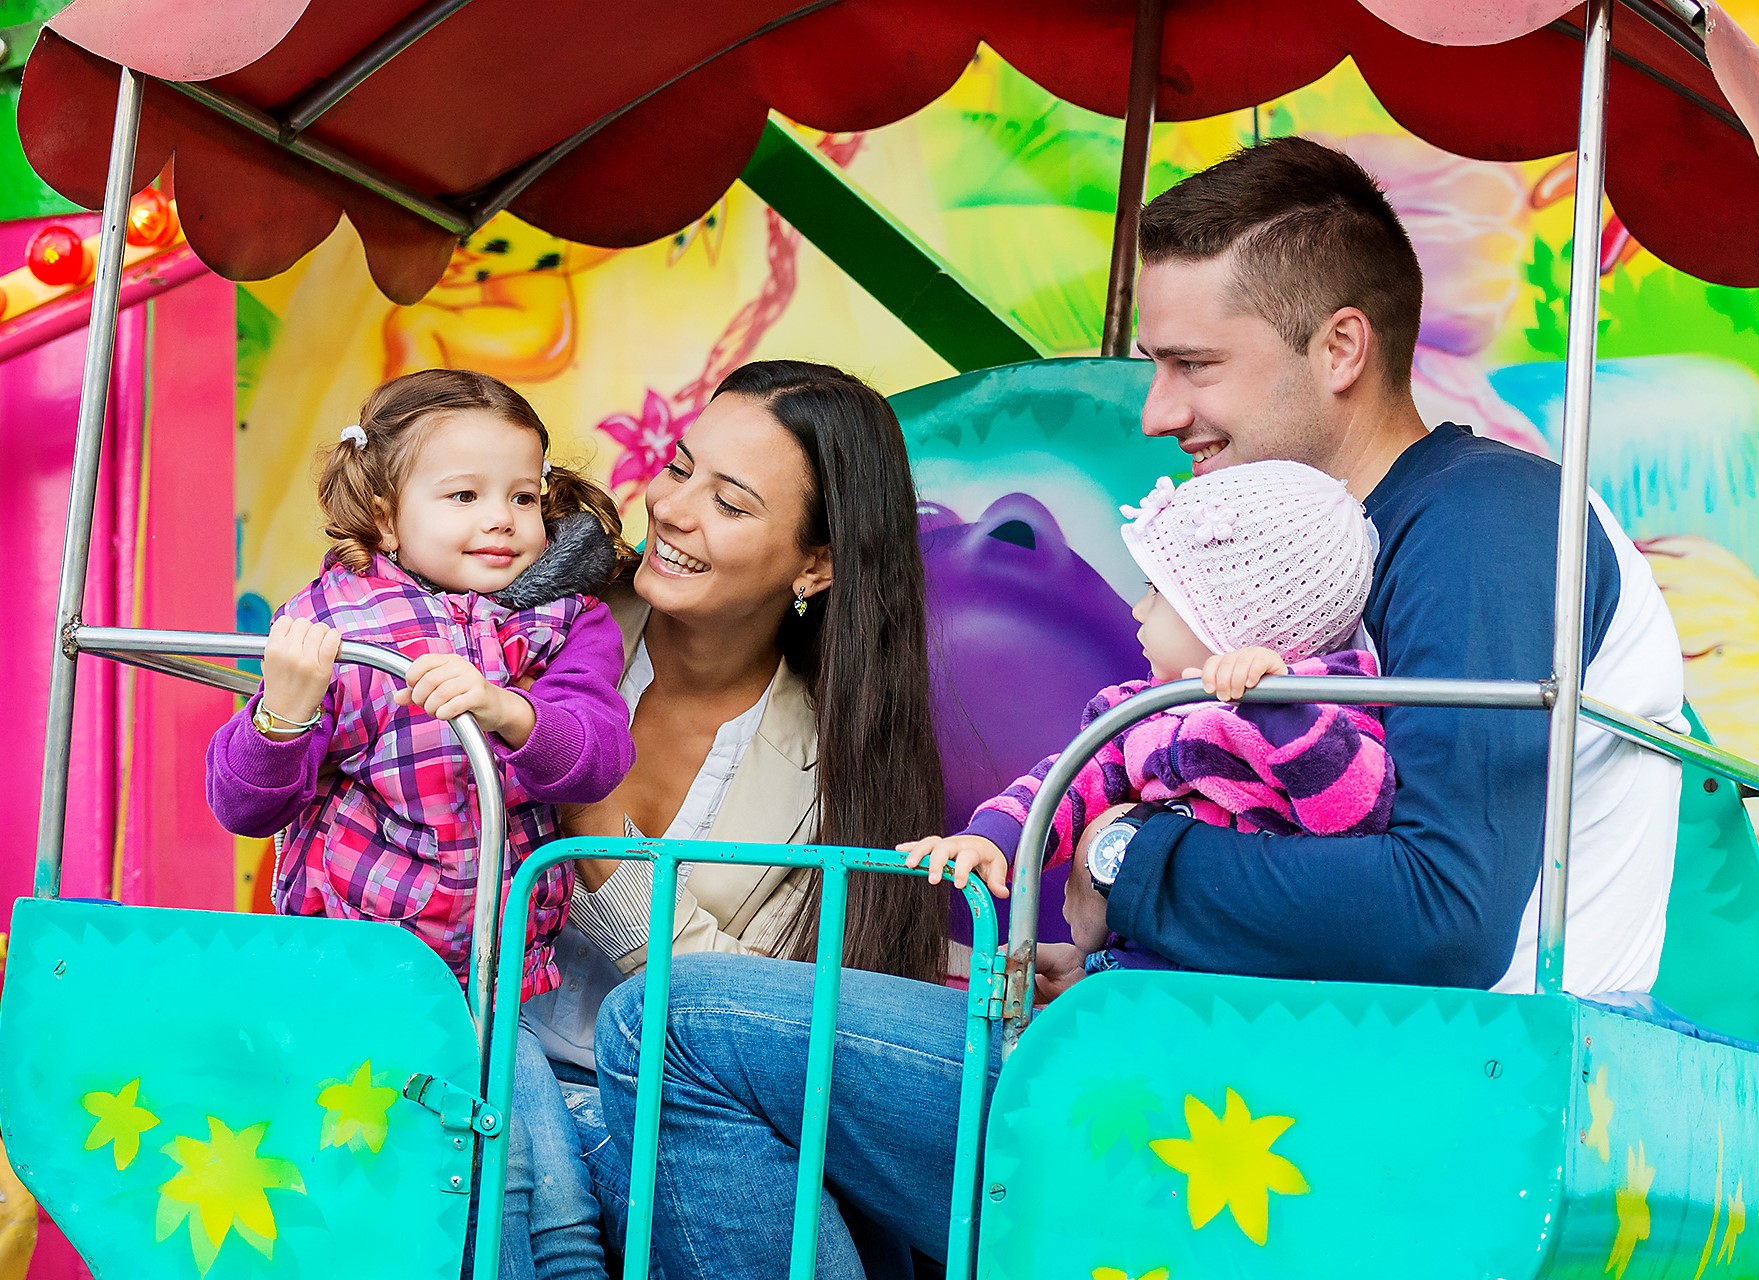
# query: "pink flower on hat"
1156 501
1211 522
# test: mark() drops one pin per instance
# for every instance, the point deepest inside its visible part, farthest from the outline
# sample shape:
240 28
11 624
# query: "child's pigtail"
348 493
567 491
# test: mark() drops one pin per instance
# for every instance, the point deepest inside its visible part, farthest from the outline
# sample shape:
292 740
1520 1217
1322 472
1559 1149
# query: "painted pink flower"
648 441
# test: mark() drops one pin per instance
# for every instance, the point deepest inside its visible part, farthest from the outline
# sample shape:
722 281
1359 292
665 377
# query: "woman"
777 672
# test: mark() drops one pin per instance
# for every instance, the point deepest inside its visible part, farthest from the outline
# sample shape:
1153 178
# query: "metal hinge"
461 1114
988 979
459 1109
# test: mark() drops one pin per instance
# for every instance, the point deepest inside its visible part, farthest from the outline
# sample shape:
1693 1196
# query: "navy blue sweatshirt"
1463 588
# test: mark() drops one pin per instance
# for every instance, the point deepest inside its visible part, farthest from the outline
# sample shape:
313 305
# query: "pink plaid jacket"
386 825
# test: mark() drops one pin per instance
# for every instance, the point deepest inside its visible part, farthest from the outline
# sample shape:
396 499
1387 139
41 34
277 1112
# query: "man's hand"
1059 966
1083 908
446 685
1228 675
966 854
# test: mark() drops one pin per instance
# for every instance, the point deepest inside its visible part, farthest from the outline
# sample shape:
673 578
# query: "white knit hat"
1266 553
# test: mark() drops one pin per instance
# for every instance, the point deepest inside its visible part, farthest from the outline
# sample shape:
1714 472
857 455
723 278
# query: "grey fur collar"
580 561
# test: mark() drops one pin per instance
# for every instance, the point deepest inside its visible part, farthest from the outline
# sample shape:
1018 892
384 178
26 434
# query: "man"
1280 301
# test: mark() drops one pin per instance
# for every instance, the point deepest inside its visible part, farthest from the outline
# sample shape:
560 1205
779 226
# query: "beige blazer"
769 801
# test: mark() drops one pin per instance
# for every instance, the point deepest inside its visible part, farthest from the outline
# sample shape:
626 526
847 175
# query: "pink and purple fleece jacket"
376 799
1320 769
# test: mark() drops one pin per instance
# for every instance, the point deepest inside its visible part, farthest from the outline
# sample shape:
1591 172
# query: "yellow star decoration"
1229 1163
119 1121
1113 1273
1632 1203
354 1113
222 1188
1737 1223
1600 1108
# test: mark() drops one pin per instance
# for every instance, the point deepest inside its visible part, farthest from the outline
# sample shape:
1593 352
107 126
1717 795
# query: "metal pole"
1572 506
1344 690
1120 296
656 998
815 1113
94 395
325 94
326 157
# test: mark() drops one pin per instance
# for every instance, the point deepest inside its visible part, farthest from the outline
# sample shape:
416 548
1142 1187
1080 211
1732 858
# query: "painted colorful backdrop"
620 349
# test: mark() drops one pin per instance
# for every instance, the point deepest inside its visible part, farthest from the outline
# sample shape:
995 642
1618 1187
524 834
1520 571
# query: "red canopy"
665 102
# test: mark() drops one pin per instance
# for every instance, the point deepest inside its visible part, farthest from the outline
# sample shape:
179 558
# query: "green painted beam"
903 274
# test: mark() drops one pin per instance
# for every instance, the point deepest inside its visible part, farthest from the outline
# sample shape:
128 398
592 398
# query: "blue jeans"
607 1167
732 1094
550 1222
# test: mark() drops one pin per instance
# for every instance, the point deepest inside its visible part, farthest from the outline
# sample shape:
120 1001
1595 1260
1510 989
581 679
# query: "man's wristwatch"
1105 855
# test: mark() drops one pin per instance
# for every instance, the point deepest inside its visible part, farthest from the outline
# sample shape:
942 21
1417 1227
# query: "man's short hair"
1310 232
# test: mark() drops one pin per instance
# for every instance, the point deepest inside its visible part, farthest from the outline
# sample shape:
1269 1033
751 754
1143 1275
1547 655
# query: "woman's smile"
668 559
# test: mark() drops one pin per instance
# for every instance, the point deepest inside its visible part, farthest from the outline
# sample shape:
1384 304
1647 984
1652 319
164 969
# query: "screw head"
1493 1069
488 1124
997 1191
456 1182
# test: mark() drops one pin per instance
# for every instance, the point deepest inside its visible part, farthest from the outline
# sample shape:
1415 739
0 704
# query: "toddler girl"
1255 570
439 505
434 502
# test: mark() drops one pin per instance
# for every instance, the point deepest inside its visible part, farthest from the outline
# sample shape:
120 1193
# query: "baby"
1256 570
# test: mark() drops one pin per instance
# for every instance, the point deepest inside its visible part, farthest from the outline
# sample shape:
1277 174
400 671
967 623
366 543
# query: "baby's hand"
1228 675
967 854
446 685
298 663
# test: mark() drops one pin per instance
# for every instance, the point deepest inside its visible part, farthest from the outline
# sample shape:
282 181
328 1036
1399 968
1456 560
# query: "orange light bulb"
151 220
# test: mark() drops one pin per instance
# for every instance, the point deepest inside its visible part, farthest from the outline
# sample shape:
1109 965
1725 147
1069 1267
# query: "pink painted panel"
39 397
174 853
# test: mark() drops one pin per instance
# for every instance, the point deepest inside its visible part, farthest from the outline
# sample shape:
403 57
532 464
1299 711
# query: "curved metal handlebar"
1349 690
122 642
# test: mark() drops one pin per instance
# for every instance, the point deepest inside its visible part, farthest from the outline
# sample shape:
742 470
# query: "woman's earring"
391 555
800 601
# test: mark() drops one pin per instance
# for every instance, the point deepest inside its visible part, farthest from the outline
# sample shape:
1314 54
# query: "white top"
1626 805
608 923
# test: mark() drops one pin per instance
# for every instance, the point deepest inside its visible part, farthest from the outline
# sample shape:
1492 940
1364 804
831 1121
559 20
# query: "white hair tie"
546 468
352 434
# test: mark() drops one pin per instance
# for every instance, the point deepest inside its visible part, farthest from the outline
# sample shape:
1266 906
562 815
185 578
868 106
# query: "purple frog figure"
1022 632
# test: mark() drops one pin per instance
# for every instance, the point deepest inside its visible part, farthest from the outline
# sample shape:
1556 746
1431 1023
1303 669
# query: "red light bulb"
151 219
57 256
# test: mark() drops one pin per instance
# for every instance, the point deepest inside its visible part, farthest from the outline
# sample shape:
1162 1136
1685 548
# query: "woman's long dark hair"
862 650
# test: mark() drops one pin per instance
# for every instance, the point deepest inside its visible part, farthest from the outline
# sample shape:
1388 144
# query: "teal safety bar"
983 1009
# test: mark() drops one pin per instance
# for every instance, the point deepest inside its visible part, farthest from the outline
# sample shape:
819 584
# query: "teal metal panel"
1662 1142
199 1094
1713 910
1167 1124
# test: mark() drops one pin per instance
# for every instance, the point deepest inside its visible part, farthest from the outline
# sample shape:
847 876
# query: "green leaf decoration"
1115 1111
